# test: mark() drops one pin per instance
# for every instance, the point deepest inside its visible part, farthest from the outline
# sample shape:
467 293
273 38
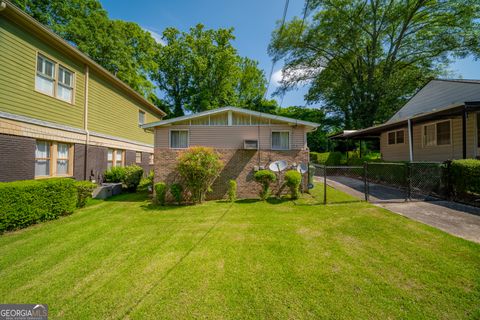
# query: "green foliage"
133 175
465 176
200 70
363 59
232 190
146 183
115 175
123 48
84 192
355 160
176 190
199 167
293 178
326 158
265 178
27 202
160 192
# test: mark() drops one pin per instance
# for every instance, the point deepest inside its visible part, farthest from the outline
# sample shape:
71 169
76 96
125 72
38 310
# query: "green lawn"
125 258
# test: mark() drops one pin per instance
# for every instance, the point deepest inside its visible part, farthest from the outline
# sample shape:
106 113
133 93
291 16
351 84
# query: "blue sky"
253 21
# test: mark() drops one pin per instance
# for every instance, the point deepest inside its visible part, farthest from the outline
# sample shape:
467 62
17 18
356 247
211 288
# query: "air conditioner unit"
250 144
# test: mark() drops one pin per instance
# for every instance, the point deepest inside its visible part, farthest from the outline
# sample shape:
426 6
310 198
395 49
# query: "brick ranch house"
246 141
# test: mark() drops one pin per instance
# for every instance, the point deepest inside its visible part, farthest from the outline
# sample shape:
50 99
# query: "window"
179 139
280 140
151 159
45 79
114 158
138 157
65 84
53 159
437 134
42 159
54 80
396 137
141 117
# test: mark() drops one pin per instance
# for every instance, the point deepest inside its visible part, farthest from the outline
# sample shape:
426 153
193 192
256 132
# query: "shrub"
265 178
146 184
176 190
199 167
115 174
160 192
23 203
133 175
293 178
326 158
84 192
465 176
232 190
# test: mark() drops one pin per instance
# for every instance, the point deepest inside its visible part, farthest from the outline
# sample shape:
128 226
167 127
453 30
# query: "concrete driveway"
455 218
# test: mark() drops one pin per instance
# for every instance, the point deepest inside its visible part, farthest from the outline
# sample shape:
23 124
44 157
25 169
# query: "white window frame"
435 123
136 157
396 142
54 157
144 117
170 139
151 159
289 140
56 73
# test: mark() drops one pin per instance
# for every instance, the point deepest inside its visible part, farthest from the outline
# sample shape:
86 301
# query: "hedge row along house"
440 122
62 114
246 141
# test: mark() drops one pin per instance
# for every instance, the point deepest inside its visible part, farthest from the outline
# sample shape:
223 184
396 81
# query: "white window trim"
170 138
56 66
141 157
114 157
53 159
289 140
144 117
435 123
404 137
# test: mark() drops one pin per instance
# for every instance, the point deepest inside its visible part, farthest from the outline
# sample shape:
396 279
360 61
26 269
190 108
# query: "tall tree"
200 70
364 58
123 48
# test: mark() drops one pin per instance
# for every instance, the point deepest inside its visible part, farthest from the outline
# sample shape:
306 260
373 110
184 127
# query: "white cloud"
155 35
279 75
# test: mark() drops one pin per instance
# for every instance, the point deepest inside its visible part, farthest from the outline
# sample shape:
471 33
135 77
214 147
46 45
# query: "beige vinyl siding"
114 113
18 55
394 152
231 137
471 132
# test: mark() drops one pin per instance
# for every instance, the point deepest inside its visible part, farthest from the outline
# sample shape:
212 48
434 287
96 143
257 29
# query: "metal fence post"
324 184
365 180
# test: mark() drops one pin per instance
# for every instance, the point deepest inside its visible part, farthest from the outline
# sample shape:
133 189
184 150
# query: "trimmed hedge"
326 158
293 178
84 192
23 203
265 178
129 176
160 192
465 176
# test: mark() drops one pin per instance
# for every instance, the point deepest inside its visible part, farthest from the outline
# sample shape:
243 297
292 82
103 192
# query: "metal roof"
233 109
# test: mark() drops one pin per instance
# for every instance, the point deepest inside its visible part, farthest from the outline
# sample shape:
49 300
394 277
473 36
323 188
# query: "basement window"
53 159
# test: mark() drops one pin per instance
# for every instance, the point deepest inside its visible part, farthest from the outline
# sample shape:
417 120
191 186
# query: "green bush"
232 190
115 174
160 192
23 203
133 175
199 167
293 178
146 184
465 176
84 192
326 158
176 190
265 178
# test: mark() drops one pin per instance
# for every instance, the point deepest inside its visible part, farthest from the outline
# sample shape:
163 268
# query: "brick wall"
79 162
17 158
238 165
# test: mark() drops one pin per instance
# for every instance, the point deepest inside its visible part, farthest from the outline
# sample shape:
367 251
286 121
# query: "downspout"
85 122
410 139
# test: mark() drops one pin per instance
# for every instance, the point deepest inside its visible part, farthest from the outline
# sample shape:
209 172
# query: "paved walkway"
455 218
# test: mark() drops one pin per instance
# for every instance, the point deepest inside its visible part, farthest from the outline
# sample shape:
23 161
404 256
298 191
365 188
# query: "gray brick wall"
17 158
79 162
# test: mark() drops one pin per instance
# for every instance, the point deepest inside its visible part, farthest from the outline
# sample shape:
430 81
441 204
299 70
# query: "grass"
125 258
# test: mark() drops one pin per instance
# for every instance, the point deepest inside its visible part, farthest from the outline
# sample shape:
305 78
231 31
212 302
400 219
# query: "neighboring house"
440 122
62 114
246 140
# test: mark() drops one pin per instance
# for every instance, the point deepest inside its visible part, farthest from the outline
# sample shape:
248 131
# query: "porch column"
464 133
410 139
